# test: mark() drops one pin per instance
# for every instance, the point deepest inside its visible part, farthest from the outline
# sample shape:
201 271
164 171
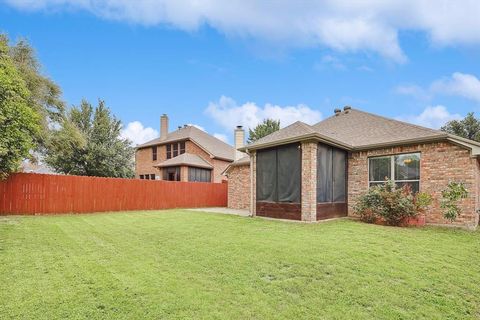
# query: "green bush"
390 203
454 192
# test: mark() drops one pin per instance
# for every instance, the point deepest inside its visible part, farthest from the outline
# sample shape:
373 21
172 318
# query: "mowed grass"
179 264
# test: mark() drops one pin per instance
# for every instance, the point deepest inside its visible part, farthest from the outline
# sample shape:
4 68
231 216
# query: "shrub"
450 197
390 203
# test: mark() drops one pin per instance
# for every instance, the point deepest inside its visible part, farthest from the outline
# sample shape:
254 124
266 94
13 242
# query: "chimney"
337 111
163 127
239 141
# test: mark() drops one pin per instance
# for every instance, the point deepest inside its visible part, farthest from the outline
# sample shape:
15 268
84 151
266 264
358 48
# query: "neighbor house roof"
243 161
353 129
185 159
215 147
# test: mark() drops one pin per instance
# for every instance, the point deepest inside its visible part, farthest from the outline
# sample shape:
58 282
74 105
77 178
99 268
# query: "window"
154 153
152 176
182 147
171 173
404 169
142 176
199 174
174 149
279 174
331 177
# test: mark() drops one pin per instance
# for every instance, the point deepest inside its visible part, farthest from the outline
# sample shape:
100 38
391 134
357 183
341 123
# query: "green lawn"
180 264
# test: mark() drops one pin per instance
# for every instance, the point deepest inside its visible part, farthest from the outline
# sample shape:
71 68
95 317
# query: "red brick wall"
440 163
239 187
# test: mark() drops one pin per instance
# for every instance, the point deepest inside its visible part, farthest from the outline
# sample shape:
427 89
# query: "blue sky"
217 66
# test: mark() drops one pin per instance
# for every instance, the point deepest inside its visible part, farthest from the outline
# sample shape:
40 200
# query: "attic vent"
337 111
346 109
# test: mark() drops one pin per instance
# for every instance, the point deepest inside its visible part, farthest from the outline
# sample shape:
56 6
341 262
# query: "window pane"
407 166
141 176
372 184
152 176
154 153
267 175
339 167
289 173
379 169
415 185
169 151
175 150
324 174
182 147
209 176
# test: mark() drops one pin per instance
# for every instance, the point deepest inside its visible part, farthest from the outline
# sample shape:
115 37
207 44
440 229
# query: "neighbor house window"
152 176
142 176
404 169
169 151
154 153
199 174
174 149
171 173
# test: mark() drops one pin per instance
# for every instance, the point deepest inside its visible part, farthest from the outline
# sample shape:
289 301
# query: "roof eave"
313 136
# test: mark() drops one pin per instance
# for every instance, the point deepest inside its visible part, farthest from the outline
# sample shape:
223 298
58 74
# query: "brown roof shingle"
186 159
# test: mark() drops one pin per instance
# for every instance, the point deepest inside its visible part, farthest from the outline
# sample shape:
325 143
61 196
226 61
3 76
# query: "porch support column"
253 183
309 181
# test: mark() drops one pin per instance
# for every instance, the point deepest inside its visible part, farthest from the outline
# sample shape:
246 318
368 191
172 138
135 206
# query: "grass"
178 264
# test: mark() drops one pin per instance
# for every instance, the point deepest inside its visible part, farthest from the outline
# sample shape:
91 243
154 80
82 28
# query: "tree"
19 123
45 95
263 129
467 128
88 143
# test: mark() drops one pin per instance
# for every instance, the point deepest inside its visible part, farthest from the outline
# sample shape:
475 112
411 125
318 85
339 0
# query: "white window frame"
392 169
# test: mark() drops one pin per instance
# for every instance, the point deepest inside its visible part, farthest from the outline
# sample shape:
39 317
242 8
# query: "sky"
218 64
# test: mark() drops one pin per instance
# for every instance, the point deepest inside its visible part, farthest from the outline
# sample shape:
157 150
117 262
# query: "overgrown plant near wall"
451 195
391 204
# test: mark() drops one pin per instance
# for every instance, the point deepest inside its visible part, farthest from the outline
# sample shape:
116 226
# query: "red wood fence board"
28 194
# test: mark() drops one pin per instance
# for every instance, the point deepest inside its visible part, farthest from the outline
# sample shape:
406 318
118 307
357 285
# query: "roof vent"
185 125
179 127
337 111
347 109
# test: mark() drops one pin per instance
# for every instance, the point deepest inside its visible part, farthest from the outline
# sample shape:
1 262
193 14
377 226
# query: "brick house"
310 173
186 154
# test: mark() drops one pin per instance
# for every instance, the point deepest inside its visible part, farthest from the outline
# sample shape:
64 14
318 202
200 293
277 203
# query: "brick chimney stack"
163 127
239 140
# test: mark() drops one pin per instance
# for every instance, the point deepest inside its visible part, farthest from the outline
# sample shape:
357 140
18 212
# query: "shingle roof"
359 130
212 145
186 159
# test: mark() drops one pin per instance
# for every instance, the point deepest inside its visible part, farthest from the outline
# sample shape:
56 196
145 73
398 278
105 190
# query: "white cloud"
229 114
432 117
197 126
459 84
342 25
221 136
330 61
137 133
414 91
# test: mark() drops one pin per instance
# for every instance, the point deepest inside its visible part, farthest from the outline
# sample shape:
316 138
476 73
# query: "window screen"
199 174
331 177
279 174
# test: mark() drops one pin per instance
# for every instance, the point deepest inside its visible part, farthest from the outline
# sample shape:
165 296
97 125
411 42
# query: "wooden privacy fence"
27 193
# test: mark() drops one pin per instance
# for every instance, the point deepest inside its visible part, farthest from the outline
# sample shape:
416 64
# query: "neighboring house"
311 173
186 154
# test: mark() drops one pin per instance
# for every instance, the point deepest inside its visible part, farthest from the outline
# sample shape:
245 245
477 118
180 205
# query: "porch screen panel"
339 167
267 175
289 173
324 173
